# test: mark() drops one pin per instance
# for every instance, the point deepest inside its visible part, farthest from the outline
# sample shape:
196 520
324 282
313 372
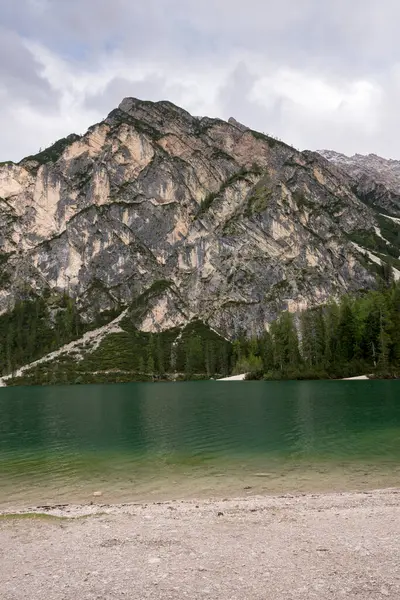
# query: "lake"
147 442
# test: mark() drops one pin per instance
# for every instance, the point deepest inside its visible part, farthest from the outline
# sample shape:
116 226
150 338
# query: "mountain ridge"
178 218
375 179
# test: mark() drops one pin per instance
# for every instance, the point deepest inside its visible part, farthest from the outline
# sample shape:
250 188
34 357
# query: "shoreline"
325 546
241 377
205 482
96 506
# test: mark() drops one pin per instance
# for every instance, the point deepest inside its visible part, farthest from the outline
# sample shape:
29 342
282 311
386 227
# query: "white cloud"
79 90
265 63
313 108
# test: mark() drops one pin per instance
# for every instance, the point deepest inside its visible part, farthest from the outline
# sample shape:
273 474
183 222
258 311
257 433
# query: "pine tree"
173 356
346 332
319 330
286 344
370 332
331 321
307 341
224 360
160 354
141 366
194 355
394 308
209 358
236 351
150 365
385 328
266 351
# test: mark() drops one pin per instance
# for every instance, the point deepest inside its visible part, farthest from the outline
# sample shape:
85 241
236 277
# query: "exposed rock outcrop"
376 180
223 224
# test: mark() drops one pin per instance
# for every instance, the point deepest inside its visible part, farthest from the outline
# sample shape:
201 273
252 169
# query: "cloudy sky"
316 73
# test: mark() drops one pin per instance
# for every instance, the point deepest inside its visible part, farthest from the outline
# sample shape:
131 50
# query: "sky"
315 73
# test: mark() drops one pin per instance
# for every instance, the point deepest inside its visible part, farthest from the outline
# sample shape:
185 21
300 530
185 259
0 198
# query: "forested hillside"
125 354
358 335
353 337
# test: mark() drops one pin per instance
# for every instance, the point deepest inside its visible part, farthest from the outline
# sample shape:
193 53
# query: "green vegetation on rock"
258 201
373 242
241 175
53 152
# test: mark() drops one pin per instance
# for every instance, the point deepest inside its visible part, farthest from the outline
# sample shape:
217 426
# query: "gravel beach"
282 547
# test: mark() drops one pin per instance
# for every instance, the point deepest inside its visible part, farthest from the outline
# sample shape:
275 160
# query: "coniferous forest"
340 339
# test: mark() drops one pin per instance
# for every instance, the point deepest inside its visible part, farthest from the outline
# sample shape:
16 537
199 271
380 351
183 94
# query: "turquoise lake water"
136 442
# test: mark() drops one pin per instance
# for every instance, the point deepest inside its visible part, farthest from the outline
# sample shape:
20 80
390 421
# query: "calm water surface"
160 441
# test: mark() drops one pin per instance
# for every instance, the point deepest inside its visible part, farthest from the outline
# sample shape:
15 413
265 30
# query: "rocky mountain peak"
162 113
174 218
235 123
374 177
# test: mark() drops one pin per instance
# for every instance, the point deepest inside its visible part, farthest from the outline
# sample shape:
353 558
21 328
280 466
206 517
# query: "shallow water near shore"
144 442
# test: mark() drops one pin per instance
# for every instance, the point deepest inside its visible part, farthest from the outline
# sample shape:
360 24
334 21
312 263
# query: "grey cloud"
22 88
235 102
292 30
334 40
20 73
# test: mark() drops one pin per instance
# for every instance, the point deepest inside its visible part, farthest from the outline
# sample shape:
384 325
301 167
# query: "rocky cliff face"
376 180
196 217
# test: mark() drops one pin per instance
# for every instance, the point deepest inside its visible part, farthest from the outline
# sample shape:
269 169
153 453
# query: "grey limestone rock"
235 225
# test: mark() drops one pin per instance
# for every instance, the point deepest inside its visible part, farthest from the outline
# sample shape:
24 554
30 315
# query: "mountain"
172 219
376 180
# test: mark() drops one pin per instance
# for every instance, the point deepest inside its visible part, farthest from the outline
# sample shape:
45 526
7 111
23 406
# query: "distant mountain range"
376 180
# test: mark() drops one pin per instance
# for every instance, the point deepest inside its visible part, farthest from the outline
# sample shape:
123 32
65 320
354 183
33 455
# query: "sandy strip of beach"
242 377
330 546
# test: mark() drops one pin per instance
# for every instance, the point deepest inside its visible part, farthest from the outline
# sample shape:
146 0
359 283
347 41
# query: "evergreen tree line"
192 352
195 352
342 339
34 327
